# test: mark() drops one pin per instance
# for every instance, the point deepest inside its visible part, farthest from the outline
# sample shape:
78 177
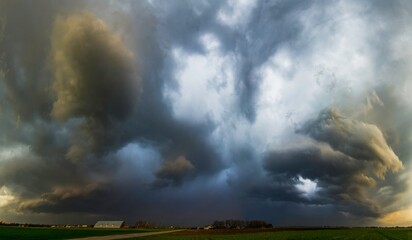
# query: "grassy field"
272 234
284 234
20 233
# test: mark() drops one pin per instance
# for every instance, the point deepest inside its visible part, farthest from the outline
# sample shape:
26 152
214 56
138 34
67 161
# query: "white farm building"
109 224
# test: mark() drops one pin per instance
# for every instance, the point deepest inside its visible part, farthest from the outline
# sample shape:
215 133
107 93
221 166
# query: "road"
123 236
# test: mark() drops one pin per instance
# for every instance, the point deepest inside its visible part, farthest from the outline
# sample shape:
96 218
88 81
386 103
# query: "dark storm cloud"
155 121
93 70
94 78
95 98
340 179
344 157
68 199
356 139
392 115
86 126
93 85
175 170
26 43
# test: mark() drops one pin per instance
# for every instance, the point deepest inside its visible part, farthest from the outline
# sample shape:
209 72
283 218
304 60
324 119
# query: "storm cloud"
356 139
93 70
176 170
94 79
343 157
288 111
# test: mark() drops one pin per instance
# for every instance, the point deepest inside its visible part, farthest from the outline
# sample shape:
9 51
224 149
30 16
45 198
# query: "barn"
109 224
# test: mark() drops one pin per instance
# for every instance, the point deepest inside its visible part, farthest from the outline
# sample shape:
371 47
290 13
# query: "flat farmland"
37 233
23 233
290 234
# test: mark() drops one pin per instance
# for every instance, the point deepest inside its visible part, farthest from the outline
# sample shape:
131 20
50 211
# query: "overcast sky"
184 112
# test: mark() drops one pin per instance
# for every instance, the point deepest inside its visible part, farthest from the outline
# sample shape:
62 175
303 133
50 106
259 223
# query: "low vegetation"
290 234
23 233
37 233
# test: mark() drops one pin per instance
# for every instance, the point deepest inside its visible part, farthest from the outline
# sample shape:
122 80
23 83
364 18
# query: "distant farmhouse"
109 224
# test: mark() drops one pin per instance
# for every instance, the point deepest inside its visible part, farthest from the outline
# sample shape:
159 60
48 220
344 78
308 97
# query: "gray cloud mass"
345 157
288 111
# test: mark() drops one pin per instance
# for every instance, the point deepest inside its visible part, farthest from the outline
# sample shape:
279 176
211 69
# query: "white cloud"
205 83
236 12
307 187
5 196
8 153
336 62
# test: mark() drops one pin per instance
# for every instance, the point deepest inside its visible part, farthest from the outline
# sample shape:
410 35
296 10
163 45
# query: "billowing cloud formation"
94 79
176 170
93 74
93 90
155 110
344 157
63 199
356 139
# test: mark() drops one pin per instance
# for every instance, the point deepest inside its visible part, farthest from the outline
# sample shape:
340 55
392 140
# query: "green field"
272 234
20 233
336 234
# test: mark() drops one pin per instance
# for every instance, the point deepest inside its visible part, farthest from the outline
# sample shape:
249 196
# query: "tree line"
240 224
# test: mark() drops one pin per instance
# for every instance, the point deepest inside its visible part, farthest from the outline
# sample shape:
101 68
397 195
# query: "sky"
186 112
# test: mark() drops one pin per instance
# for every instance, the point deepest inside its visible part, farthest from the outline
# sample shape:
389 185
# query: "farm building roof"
109 224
